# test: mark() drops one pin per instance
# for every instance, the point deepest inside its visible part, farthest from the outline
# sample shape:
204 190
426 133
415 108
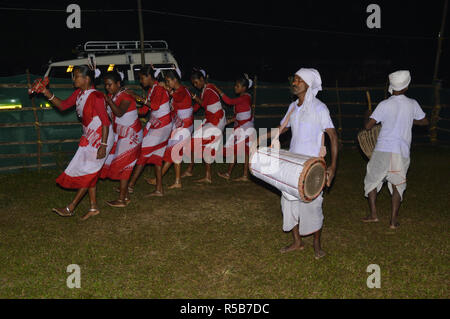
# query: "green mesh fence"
60 131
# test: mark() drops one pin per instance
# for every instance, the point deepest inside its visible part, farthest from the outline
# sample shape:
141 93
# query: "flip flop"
63 213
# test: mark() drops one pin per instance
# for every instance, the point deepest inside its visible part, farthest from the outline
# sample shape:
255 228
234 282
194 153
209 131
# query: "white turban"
314 81
399 80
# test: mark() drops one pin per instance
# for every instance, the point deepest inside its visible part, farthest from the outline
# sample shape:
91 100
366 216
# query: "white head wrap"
203 72
399 80
314 81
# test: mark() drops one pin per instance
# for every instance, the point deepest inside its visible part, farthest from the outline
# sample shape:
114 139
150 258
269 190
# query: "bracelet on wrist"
104 144
53 96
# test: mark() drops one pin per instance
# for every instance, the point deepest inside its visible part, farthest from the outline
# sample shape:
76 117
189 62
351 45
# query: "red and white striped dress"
83 170
183 125
210 132
243 123
158 128
127 141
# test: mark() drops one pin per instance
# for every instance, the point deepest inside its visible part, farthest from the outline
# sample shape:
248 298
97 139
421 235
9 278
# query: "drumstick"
369 101
283 125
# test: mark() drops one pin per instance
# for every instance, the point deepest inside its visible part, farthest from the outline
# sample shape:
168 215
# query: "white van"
124 56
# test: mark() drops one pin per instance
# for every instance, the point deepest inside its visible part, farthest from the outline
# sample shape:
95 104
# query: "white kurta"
390 159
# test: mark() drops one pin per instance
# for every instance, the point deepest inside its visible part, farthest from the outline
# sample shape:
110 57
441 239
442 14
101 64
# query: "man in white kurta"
308 118
390 159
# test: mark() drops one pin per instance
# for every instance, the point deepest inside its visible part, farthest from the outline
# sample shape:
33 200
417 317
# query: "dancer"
183 125
243 124
127 136
95 144
210 132
157 130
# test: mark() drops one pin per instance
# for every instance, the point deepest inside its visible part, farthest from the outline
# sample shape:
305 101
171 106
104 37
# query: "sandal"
118 203
65 212
130 190
91 212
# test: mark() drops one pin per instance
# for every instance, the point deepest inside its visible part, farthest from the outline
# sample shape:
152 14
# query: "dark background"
331 36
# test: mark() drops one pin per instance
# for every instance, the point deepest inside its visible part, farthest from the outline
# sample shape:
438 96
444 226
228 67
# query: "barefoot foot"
242 179
204 180
151 181
224 175
292 247
186 174
155 194
175 185
370 219
394 225
118 203
92 212
319 254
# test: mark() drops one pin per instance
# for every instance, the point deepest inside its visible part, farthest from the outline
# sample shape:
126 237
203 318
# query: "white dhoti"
385 166
308 216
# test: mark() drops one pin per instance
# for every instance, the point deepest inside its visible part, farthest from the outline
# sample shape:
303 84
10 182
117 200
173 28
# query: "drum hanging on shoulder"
299 175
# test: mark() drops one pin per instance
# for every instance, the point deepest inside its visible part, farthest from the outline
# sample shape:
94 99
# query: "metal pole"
141 32
439 48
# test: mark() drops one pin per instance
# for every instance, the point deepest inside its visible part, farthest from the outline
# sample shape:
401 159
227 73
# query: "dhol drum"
299 175
368 139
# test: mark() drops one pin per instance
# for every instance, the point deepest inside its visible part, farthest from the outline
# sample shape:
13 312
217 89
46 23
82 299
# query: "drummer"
390 159
308 118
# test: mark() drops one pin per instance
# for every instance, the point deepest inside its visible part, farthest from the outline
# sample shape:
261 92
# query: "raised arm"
59 103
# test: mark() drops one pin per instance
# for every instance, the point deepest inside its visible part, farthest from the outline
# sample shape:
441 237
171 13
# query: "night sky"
341 47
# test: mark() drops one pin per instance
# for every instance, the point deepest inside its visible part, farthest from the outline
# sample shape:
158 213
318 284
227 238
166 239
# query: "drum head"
312 179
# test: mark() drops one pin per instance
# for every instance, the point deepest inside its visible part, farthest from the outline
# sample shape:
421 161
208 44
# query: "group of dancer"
115 146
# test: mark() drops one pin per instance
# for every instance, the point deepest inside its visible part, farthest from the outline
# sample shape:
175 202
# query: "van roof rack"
123 46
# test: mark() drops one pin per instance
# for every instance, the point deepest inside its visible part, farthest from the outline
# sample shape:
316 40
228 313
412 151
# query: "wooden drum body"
298 175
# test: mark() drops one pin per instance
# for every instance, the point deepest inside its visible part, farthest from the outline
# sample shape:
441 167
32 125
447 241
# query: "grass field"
223 240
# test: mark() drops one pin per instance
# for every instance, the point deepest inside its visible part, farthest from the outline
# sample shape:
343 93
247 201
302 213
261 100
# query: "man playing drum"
390 159
308 118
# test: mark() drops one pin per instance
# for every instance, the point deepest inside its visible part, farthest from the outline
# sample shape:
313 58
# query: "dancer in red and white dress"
183 125
95 144
209 134
243 131
127 136
157 130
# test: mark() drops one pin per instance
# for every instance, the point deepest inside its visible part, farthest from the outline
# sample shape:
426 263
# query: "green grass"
223 240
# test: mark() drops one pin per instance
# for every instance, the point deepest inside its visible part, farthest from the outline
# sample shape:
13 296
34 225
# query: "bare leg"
136 173
123 200
372 217
166 166
93 201
297 244
159 187
318 252
78 197
177 183
207 178
244 177
227 175
188 171
396 201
